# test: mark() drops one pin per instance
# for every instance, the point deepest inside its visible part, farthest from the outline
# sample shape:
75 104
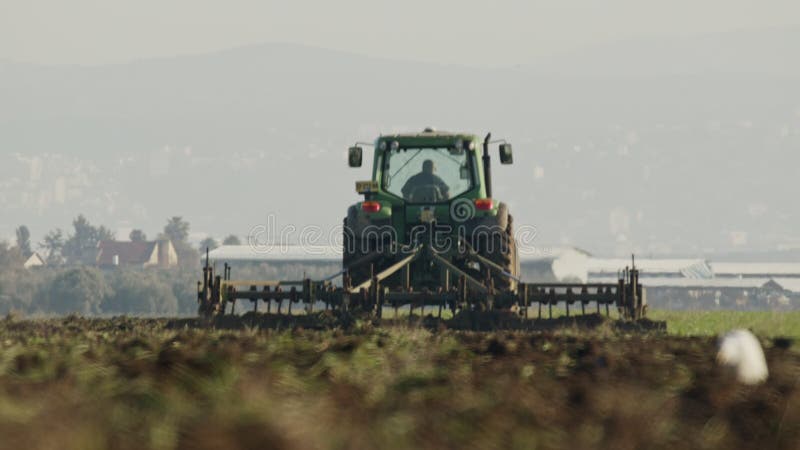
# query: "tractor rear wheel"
502 250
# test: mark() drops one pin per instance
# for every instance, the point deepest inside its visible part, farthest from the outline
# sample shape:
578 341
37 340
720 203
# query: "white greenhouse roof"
679 282
754 269
688 268
790 284
276 253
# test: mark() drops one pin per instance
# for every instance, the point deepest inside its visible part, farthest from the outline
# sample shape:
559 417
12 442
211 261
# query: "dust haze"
670 129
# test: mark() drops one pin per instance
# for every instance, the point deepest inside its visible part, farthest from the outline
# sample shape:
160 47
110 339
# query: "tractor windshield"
427 175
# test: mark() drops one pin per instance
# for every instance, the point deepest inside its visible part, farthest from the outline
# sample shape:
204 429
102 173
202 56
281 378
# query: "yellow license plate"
362 187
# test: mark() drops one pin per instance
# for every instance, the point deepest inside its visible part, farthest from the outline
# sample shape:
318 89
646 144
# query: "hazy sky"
455 31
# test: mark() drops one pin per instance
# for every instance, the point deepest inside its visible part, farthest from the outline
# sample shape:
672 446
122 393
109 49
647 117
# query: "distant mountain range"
656 146
757 53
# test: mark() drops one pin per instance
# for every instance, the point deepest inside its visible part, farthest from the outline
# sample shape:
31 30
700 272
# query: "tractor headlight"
382 145
395 145
459 144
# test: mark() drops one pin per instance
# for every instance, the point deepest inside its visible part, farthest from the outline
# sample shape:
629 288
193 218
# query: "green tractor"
430 190
428 233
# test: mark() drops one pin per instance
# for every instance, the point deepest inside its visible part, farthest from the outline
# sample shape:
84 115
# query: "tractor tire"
503 251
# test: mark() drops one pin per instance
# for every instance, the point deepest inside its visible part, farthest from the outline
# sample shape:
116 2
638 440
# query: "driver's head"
427 166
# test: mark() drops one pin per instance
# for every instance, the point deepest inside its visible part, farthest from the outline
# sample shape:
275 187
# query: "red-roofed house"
142 254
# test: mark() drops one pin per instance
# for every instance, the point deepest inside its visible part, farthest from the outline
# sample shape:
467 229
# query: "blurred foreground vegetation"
77 383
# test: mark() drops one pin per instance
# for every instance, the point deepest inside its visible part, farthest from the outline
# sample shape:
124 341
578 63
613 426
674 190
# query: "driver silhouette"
426 186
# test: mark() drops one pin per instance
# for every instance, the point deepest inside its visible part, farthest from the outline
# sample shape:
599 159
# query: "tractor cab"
428 171
425 184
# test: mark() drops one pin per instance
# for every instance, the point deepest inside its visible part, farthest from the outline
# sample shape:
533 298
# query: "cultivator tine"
462 290
253 288
309 295
527 300
584 294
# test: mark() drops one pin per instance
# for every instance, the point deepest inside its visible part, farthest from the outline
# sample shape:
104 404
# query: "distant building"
602 269
142 254
35 260
577 265
697 284
725 293
672 283
756 269
675 283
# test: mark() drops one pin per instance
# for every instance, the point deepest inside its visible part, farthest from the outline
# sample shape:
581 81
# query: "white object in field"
740 351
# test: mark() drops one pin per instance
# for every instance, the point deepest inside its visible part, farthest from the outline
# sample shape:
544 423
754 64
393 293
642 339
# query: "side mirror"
506 156
354 156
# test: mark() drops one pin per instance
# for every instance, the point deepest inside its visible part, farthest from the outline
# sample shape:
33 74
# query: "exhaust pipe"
487 166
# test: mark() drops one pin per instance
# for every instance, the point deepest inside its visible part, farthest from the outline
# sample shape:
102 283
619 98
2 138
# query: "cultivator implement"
458 291
389 258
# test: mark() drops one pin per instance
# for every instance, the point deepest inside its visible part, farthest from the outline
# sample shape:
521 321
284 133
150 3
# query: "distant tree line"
210 243
70 282
90 291
152 291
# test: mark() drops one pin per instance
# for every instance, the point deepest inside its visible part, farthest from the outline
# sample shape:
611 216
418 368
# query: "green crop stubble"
711 323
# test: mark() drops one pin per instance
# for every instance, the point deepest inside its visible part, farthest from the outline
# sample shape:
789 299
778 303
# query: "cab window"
427 175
